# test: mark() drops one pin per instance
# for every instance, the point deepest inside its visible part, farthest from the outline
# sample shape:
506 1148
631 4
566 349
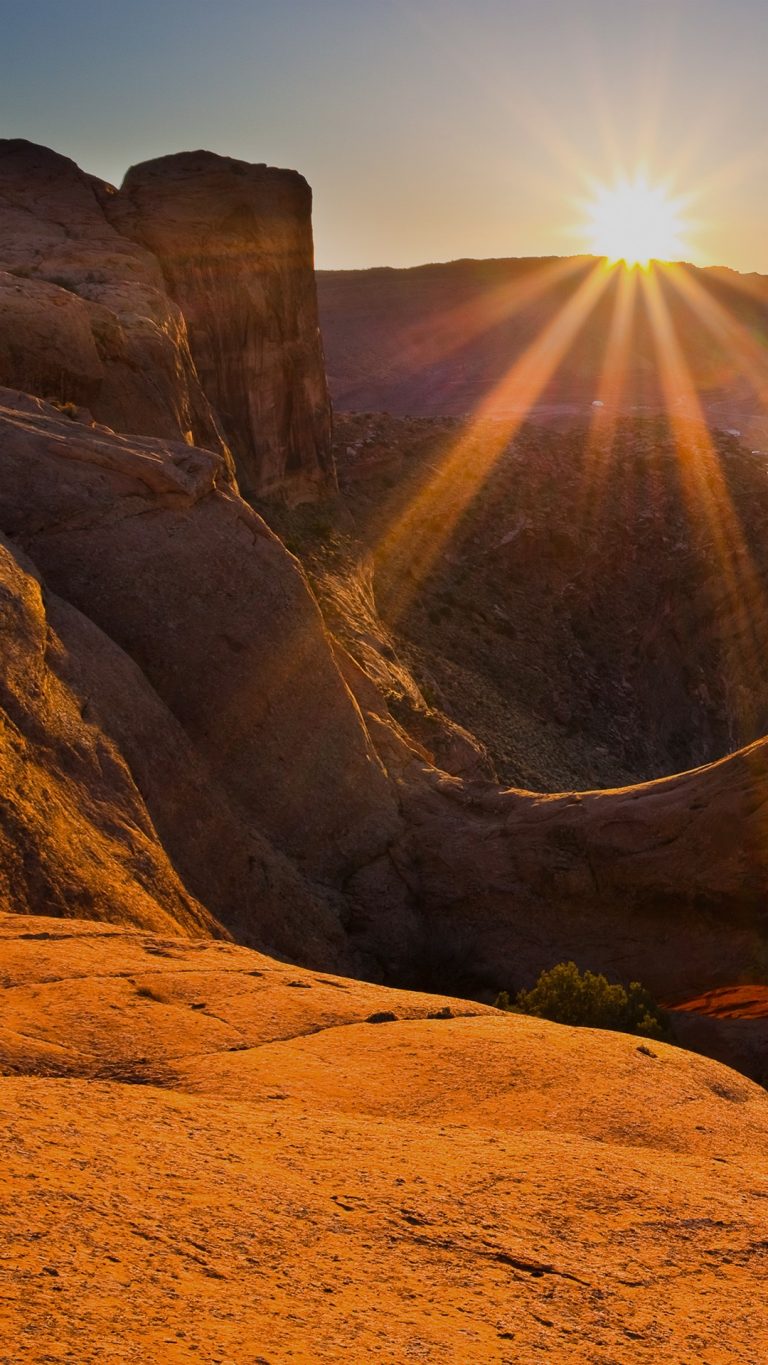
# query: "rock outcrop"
149 540
84 315
90 318
235 245
666 881
75 833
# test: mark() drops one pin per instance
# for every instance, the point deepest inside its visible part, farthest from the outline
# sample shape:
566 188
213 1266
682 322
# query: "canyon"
412 708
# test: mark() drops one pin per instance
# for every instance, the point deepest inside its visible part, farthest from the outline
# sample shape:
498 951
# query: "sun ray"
438 337
750 354
706 492
411 545
610 392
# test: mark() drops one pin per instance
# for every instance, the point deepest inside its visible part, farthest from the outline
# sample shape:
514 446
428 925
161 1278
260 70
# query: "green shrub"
566 996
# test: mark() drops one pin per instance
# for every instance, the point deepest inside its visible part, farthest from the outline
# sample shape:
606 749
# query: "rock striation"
235 245
183 307
84 315
151 543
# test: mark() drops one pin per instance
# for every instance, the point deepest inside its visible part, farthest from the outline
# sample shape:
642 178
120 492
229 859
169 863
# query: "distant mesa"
438 340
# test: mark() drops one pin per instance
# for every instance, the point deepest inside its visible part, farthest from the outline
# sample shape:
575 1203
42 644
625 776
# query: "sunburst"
635 222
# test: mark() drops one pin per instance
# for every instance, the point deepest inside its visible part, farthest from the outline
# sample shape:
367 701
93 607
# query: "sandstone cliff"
235 245
84 315
147 539
150 541
90 318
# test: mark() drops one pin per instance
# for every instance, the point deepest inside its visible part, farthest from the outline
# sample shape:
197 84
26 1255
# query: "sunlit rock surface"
91 318
210 1155
84 314
235 245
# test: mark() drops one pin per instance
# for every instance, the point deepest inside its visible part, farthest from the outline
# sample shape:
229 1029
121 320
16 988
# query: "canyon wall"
216 343
235 245
84 315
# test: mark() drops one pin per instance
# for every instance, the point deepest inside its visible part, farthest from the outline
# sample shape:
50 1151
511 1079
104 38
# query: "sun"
635 222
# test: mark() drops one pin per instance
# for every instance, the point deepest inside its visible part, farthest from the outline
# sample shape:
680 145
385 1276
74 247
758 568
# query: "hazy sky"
428 130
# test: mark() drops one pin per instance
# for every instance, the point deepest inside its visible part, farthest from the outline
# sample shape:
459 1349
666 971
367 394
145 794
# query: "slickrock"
665 881
235 244
210 1155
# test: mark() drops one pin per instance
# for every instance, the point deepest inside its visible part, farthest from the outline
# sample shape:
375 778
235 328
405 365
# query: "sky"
429 130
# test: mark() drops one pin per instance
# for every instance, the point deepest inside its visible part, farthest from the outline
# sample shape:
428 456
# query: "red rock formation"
89 318
84 316
235 245
75 834
667 881
149 540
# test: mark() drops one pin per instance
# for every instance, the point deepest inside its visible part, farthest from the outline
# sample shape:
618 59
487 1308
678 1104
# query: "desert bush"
565 996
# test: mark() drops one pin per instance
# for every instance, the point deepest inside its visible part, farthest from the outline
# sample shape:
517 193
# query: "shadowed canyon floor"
216 1157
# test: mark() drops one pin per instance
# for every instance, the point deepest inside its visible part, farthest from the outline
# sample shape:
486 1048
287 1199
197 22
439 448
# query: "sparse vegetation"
566 996
68 409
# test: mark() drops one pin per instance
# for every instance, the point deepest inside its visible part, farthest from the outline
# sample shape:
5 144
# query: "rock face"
84 315
235 245
524 1191
89 318
75 833
239 689
666 881
149 541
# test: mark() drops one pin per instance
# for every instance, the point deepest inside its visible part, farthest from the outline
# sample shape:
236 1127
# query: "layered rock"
240 691
235 244
84 315
90 318
75 834
149 540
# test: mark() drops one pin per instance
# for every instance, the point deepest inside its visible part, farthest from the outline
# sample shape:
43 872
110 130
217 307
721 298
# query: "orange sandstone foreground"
208 1155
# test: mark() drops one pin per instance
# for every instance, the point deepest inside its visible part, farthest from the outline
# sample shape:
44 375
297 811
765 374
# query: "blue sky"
428 130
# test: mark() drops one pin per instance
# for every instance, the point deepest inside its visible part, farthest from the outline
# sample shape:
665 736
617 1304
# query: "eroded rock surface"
149 540
92 319
85 318
514 1190
75 834
235 244
430 876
